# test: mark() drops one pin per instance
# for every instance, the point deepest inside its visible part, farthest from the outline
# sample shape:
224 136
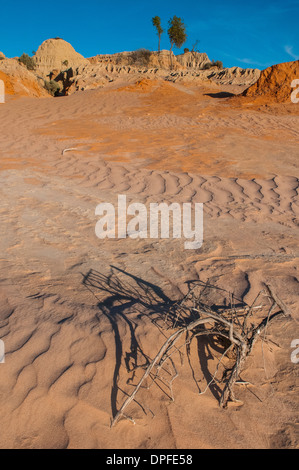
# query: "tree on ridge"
156 20
176 32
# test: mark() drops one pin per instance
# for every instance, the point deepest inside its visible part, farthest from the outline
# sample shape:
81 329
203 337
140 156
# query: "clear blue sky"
253 33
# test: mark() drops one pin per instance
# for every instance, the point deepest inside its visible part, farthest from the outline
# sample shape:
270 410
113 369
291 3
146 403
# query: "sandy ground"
74 353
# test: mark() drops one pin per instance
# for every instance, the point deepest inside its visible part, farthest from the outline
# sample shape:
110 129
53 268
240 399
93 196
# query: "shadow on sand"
220 94
127 293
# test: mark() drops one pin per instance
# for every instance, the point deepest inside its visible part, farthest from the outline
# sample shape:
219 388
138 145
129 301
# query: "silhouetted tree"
157 24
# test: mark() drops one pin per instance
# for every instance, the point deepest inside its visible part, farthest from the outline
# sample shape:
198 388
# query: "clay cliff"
274 82
57 61
163 59
56 55
20 81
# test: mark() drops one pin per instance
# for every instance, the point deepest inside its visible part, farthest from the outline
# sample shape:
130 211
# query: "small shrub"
219 64
52 87
28 61
140 57
186 50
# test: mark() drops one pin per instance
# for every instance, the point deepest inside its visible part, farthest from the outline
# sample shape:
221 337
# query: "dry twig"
230 324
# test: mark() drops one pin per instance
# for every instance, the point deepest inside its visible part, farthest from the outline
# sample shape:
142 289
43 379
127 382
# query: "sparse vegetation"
217 64
65 63
194 47
157 24
28 61
141 57
52 87
186 50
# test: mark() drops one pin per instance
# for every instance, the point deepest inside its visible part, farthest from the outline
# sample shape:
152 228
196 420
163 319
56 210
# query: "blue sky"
248 34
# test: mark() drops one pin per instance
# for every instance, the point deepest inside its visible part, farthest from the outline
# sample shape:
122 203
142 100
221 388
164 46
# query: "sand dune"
74 349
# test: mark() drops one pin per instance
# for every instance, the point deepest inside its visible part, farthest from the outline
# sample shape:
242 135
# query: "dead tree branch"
230 324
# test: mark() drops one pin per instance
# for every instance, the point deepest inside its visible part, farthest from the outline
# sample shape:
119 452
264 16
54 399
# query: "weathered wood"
241 338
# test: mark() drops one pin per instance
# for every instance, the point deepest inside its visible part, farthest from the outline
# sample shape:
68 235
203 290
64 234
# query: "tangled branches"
238 327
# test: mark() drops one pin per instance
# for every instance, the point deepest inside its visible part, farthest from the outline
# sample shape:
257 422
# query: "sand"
73 353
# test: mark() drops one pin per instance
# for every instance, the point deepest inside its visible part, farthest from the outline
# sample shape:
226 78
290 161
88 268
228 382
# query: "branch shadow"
148 300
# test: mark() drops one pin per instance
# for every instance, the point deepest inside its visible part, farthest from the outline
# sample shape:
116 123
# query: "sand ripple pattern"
255 199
